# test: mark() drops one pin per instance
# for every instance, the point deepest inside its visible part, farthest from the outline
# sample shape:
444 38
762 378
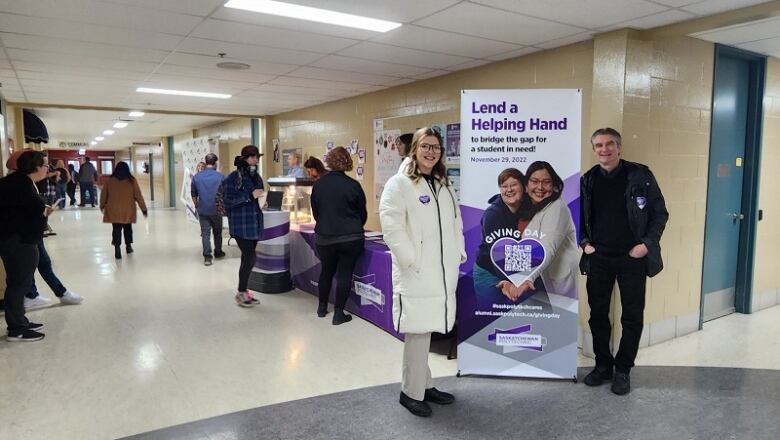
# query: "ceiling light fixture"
99 138
136 114
108 132
93 143
183 93
120 124
313 14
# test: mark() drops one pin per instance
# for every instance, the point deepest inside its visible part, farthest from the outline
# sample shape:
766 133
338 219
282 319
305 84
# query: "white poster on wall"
386 160
193 151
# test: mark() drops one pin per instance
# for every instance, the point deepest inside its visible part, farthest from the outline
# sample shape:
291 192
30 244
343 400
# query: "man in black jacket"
623 216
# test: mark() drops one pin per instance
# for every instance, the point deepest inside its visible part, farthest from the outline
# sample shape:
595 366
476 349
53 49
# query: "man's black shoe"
219 254
416 407
322 310
598 376
438 397
621 384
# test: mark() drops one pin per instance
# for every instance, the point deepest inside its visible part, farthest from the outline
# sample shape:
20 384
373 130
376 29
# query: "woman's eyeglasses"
544 182
436 148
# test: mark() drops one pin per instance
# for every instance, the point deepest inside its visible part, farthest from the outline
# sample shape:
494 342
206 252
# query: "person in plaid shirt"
240 191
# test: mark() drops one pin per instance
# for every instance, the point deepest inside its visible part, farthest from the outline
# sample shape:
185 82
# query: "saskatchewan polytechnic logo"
518 337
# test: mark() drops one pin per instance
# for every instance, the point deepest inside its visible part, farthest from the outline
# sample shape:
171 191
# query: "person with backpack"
238 198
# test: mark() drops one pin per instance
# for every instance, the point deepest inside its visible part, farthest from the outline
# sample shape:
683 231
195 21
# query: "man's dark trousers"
630 274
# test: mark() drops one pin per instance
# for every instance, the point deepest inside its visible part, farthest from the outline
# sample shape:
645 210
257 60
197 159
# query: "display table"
371 295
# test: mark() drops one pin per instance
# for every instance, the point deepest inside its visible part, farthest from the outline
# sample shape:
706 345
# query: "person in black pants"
22 222
73 178
623 216
239 193
339 207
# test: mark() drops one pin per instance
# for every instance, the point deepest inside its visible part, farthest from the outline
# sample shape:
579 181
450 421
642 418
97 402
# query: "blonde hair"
412 170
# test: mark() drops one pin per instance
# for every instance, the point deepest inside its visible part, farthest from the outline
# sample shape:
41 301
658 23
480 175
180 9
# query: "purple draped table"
371 293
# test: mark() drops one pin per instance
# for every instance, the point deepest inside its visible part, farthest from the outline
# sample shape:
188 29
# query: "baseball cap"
250 150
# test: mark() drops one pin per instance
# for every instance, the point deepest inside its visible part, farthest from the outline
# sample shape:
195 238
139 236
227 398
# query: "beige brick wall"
431 101
767 268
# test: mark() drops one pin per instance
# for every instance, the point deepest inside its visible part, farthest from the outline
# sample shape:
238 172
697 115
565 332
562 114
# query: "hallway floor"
159 340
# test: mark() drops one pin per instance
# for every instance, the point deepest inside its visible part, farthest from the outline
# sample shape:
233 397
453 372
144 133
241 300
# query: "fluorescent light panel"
183 93
120 124
92 143
108 132
99 138
313 14
136 114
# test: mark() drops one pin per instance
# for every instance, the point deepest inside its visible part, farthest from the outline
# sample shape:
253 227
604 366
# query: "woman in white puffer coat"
422 225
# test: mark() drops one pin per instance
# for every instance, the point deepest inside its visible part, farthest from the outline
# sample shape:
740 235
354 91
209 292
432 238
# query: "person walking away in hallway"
239 193
73 178
87 181
623 215
204 189
62 179
422 225
22 222
117 203
339 207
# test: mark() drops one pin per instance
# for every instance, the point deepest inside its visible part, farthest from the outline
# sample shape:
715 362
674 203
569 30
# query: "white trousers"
416 375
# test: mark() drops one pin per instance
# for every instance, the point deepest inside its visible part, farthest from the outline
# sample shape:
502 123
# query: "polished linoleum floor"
159 341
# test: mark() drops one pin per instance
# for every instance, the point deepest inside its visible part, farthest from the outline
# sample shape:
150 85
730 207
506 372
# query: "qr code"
517 258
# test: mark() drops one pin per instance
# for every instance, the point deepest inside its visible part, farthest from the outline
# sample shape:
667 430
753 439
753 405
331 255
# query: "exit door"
732 183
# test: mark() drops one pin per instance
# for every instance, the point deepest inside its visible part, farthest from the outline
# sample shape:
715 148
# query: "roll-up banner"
520 172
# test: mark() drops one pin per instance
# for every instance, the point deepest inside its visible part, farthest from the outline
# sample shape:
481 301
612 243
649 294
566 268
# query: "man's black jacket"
647 220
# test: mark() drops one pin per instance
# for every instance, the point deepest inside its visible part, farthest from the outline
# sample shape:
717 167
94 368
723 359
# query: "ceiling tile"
402 11
368 66
105 14
247 52
486 22
35 70
297 90
676 3
198 83
317 83
433 74
193 7
215 74
709 7
393 54
290 24
566 40
341 75
79 60
513 54
63 46
87 32
280 38
769 46
415 37
210 62
468 65
590 14
656 20
744 33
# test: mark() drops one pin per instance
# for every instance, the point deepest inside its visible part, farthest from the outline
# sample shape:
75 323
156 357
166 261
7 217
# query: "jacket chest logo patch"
517 259
425 199
641 202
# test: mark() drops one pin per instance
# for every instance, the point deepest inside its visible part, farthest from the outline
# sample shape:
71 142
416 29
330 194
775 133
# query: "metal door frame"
752 166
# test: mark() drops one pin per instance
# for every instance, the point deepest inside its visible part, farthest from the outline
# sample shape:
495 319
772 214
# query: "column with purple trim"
271 273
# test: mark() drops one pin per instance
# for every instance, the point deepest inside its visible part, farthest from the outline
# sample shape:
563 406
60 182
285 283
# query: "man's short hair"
211 159
607 131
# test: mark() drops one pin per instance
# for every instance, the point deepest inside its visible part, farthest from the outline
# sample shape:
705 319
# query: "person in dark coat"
117 202
239 192
339 207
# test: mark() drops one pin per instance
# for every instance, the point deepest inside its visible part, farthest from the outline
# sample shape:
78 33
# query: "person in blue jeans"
33 300
204 191
87 180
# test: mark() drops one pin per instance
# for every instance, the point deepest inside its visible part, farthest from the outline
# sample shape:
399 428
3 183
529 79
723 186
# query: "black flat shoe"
322 310
438 397
621 384
117 252
129 249
339 317
598 376
416 407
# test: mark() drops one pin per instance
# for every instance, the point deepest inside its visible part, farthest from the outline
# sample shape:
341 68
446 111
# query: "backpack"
219 203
